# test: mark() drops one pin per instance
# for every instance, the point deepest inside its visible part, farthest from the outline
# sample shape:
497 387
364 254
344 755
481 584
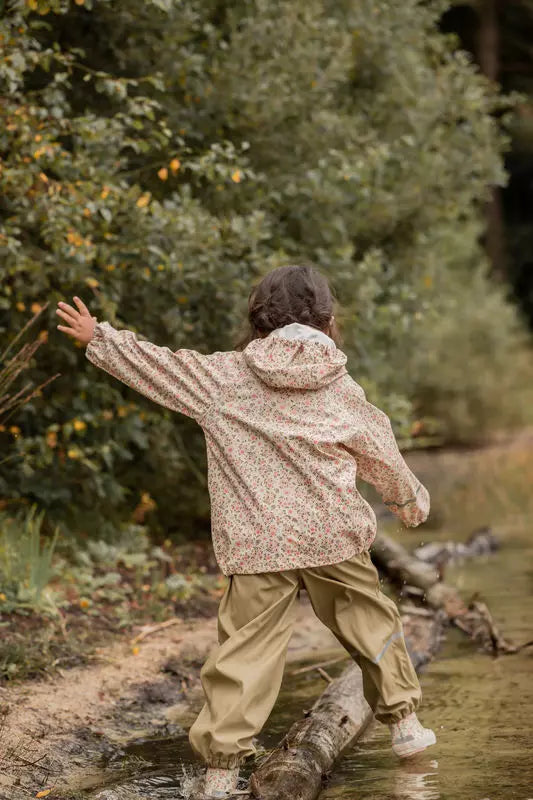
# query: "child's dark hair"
295 293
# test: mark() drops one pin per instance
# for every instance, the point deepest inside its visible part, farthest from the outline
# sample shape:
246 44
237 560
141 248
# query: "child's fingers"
82 308
66 316
69 331
68 310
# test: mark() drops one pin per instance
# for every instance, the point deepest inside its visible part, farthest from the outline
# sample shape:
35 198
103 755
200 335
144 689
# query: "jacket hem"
228 572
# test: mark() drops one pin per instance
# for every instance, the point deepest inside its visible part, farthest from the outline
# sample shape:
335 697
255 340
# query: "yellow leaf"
110 267
122 411
36 307
163 173
43 336
92 282
79 425
51 439
428 281
38 137
417 427
79 2
43 177
32 4
104 193
236 177
160 267
84 603
175 164
73 453
143 200
15 430
43 793
135 650
21 307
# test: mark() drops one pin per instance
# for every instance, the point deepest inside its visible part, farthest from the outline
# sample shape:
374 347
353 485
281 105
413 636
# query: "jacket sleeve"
380 463
184 381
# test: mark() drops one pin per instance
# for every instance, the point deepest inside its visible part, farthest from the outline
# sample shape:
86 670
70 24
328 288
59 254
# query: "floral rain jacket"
287 433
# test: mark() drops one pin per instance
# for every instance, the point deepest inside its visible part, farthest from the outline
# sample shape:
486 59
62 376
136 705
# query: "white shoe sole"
412 748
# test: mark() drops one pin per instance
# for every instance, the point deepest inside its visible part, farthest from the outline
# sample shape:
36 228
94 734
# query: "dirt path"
53 731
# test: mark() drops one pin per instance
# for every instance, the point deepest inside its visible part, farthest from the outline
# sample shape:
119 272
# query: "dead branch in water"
481 542
474 619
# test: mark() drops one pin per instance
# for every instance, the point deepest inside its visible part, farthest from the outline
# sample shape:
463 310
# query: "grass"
25 562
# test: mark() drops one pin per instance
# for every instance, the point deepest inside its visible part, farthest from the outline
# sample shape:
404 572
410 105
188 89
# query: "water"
480 707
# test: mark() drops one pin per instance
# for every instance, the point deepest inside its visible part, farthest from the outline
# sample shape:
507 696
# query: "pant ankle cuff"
224 762
390 719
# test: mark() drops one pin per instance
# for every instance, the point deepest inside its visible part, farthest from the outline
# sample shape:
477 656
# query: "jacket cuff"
98 338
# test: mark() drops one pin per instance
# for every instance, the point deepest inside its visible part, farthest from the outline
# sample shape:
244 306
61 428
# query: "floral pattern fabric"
287 431
220 783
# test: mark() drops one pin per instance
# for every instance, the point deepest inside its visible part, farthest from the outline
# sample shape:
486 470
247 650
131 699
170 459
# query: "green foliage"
56 613
157 157
25 563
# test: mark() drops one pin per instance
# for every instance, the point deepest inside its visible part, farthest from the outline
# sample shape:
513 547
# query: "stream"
480 707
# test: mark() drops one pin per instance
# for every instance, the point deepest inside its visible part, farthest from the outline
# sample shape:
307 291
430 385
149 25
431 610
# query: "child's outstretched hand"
80 323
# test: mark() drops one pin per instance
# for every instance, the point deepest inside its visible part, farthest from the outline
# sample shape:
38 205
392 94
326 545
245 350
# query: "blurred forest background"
158 156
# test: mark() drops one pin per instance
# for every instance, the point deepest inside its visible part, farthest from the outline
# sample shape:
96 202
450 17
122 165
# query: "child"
287 431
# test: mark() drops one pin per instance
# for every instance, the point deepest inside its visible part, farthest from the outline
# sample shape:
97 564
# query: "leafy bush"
164 155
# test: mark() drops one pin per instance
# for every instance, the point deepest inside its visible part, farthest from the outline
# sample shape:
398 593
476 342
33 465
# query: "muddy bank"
54 732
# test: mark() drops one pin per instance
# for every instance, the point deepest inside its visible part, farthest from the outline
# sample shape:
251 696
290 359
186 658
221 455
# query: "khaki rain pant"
242 677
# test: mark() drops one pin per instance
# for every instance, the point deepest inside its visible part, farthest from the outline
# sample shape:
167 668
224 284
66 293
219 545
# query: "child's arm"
184 381
380 463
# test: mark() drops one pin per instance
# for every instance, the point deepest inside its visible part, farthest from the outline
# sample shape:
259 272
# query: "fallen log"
405 569
297 767
481 542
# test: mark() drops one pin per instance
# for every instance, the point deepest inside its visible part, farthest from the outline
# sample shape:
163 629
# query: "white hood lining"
296 330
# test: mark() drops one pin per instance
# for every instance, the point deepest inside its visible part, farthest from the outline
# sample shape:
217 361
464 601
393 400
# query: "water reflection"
417 780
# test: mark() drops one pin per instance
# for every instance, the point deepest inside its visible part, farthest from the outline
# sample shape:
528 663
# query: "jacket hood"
295 356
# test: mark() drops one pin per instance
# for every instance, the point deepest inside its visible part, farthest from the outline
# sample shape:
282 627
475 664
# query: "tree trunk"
488 56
